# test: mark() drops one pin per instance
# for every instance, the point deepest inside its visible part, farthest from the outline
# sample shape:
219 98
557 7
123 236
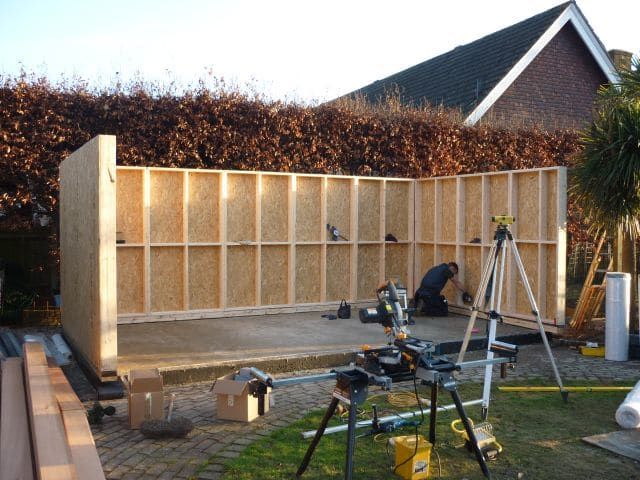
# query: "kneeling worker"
428 298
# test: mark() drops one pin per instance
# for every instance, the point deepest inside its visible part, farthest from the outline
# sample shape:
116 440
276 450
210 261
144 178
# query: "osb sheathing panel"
338 271
473 214
166 206
241 276
551 228
204 278
424 261
129 205
275 208
308 209
447 253
472 265
275 275
551 292
130 279
339 205
369 210
396 263
498 201
527 216
167 279
425 212
204 210
241 207
88 253
529 255
448 220
368 271
308 268
396 201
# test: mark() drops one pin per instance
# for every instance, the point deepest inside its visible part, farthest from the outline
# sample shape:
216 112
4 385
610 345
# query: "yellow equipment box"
592 351
408 465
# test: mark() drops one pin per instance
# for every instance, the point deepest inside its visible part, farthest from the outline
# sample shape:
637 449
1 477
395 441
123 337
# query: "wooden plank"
15 451
79 437
51 452
88 252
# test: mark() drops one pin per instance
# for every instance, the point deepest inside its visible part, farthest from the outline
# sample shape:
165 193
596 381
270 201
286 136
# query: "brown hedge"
41 124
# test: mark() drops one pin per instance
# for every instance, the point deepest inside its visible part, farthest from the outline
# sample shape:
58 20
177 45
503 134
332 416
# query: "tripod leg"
433 413
536 313
351 441
469 429
477 301
314 443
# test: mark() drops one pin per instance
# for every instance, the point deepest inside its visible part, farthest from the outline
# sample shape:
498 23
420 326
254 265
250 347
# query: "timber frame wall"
197 243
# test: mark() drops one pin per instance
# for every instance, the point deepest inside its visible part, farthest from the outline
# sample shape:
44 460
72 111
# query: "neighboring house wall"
556 90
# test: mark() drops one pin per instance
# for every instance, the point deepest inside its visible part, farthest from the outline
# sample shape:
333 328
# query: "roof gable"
473 76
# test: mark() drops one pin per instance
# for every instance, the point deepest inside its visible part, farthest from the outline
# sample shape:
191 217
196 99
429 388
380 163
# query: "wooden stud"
223 235
185 240
146 192
50 449
15 454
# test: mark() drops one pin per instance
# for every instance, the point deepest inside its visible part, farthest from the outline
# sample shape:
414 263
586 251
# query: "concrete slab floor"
188 343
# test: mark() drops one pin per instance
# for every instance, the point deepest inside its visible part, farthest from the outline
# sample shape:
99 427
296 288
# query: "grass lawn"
540 435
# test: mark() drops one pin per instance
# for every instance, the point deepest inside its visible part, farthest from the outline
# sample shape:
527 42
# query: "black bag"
344 310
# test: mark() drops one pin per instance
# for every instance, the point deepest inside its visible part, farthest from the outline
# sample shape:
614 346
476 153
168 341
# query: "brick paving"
126 454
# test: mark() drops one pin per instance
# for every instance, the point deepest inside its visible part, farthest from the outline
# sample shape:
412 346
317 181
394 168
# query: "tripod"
496 260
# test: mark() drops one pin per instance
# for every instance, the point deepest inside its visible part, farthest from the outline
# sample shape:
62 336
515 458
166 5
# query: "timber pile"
44 433
591 296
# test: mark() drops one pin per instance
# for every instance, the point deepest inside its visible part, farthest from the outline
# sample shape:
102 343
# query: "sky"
306 51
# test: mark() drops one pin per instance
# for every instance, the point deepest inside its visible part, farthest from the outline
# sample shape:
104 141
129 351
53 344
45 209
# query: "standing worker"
428 298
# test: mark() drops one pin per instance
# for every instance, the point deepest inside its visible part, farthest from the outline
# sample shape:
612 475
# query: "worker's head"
453 266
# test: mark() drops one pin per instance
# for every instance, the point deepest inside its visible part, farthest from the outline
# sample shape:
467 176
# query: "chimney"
621 59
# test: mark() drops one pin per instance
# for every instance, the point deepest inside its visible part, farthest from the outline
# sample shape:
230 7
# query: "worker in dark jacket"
428 298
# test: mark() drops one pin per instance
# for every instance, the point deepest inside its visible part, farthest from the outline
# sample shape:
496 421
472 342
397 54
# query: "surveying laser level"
503 219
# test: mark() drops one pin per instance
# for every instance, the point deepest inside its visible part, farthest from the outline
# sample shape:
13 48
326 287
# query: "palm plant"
606 179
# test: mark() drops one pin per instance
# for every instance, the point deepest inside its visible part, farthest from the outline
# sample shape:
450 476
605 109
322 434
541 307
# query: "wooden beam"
15 446
51 452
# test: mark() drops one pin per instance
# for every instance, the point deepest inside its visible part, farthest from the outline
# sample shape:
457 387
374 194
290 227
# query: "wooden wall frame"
453 224
238 243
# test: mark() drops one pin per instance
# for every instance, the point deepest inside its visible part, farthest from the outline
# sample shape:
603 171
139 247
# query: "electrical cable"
415 449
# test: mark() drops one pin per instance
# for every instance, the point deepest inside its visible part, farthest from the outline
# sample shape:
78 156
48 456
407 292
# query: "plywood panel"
308 209
167 279
339 205
308 268
498 199
130 280
275 275
204 278
241 207
166 215
369 210
473 214
529 255
368 271
275 208
88 253
425 212
424 261
396 263
204 208
528 204
446 254
338 271
447 210
241 276
397 208
129 205
472 264
551 227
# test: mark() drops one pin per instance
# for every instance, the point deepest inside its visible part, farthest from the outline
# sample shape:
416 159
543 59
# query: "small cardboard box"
140 383
234 400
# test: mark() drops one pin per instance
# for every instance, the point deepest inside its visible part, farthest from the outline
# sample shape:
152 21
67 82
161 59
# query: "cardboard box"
234 400
141 383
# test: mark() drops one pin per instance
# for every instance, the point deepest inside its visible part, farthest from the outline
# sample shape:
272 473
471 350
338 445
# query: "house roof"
473 76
